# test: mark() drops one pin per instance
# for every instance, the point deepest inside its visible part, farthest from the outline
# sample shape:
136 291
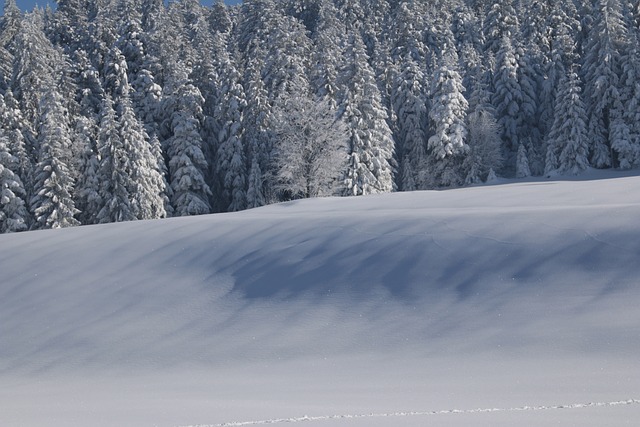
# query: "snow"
500 302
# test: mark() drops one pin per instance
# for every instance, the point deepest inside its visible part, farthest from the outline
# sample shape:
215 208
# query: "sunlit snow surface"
405 306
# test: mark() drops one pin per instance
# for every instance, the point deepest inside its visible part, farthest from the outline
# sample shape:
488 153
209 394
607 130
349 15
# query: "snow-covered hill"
523 294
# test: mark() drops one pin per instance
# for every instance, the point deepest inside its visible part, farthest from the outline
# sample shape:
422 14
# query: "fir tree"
231 164
187 164
52 203
522 163
507 98
327 54
13 212
447 114
568 144
146 185
410 106
258 135
255 198
370 165
115 184
500 22
87 196
601 69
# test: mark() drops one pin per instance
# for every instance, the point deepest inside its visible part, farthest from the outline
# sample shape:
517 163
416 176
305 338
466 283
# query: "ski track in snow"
423 413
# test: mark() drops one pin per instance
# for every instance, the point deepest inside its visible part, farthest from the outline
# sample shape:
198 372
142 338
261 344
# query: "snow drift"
524 293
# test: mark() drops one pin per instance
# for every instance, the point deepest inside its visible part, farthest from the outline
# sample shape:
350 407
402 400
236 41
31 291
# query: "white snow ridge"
514 296
409 414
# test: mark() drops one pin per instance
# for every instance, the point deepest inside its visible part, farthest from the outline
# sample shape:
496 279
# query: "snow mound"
512 295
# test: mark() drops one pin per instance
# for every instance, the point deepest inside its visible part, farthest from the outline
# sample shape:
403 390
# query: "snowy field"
514 304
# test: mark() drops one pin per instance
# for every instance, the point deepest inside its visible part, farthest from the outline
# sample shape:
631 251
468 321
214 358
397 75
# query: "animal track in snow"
423 413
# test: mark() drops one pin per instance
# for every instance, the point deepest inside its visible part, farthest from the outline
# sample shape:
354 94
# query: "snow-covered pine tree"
255 198
628 149
522 162
563 27
146 185
52 203
447 113
327 53
567 147
182 108
220 20
466 27
254 27
231 165
158 155
437 34
289 51
115 183
408 95
207 73
21 141
500 21
10 26
258 136
87 196
35 67
371 148
146 97
116 79
529 77
70 24
410 105
601 70
507 96
13 212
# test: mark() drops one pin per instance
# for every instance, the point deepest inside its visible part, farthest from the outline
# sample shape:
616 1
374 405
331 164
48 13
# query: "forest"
120 110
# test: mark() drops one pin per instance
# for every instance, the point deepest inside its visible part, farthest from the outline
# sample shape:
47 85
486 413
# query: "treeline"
117 110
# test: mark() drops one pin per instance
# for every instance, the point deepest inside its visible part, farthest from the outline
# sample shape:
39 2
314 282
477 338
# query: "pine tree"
187 165
87 196
522 163
255 198
219 19
507 98
500 22
327 53
231 164
52 203
21 140
410 106
602 68
568 139
70 24
13 212
628 148
371 147
146 185
36 66
529 76
115 184
447 114
258 136
289 51
10 26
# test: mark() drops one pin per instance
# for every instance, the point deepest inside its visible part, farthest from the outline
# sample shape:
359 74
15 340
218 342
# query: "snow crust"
522 294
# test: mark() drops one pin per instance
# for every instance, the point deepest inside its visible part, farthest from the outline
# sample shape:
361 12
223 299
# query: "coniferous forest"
117 110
